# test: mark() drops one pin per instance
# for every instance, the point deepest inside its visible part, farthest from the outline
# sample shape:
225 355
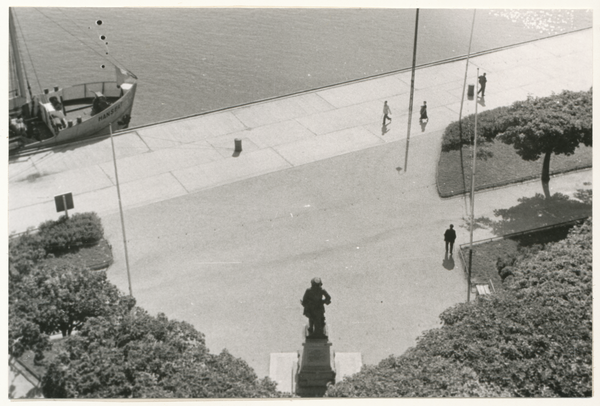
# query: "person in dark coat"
424 112
450 237
482 82
313 301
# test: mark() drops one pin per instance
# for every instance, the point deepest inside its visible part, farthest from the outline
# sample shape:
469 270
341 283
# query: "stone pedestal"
317 367
283 370
307 373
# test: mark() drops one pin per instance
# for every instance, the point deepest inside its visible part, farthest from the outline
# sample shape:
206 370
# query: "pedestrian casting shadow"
448 262
481 101
384 129
537 211
423 124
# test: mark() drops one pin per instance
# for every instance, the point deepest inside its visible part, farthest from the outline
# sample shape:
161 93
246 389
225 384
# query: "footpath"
229 243
179 157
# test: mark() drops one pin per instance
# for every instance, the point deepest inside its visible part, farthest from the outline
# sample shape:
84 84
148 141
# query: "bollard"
56 88
70 123
79 120
471 91
238 145
46 91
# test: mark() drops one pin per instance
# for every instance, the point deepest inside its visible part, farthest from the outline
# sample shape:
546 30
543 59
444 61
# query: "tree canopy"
542 126
555 124
141 356
120 351
532 340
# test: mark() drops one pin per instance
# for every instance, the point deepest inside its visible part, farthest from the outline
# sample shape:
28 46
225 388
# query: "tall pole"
112 143
473 190
412 90
467 69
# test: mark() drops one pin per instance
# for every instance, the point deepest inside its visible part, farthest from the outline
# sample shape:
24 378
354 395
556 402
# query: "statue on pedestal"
313 301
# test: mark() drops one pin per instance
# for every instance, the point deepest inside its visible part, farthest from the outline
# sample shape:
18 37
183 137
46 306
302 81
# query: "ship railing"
86 90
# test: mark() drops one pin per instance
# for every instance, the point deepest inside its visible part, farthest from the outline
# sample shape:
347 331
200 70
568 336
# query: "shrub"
66 234
534 339
142 356
23 253
486 128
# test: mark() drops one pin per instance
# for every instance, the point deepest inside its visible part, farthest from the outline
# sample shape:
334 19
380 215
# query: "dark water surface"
194 60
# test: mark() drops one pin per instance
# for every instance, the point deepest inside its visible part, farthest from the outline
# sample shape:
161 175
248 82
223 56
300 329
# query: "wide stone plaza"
230 243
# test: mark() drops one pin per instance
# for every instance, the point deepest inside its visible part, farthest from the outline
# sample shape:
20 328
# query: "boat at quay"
60 115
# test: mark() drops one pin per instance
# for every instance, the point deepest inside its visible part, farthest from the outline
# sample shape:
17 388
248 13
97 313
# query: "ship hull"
79 123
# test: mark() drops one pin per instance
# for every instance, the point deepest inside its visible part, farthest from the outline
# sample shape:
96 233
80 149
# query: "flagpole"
412 90
120 210
473 190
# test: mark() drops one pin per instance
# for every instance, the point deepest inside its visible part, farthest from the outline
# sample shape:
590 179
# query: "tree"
24 252
140 356
47 301
534 339
538 126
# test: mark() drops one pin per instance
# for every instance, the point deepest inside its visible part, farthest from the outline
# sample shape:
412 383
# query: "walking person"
387 112
482 82
424 112
449 238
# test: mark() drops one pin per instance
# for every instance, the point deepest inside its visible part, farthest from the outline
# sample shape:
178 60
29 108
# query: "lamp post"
120 209
412 90
473 191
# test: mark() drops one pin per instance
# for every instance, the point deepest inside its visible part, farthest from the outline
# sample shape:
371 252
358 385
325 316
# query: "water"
194 60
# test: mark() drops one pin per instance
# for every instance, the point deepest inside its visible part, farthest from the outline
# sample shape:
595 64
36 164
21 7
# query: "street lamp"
120 209
473 190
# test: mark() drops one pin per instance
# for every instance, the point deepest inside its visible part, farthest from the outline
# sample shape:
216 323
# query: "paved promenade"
185 156
230 243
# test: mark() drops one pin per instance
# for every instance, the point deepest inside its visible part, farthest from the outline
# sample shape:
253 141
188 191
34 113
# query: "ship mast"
20 99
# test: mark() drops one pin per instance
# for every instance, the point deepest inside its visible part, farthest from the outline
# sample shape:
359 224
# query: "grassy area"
485 255
499 165
86 257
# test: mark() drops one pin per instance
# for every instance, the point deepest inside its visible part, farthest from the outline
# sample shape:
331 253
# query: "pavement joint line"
107 175
282 157
178 181
142 139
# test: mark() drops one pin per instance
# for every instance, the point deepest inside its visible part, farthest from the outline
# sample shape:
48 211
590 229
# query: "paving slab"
228 170
225 144
437 75
335 143
162 161
32 192
374 89
286 132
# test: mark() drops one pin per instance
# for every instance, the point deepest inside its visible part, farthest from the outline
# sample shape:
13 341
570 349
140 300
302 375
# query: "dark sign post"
64 203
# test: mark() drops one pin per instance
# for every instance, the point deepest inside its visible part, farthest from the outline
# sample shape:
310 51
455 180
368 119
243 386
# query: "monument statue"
313 301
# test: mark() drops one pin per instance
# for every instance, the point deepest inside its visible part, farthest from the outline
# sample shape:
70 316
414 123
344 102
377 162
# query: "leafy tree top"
532 340
555 124
141 356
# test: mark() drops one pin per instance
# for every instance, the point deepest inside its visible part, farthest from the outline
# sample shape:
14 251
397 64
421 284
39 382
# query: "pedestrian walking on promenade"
424 112
482 82
449 238
387 112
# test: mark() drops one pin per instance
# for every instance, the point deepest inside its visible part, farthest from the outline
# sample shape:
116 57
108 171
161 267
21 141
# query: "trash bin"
471 91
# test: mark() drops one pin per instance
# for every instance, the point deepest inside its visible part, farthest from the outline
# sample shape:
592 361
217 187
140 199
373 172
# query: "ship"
61 115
